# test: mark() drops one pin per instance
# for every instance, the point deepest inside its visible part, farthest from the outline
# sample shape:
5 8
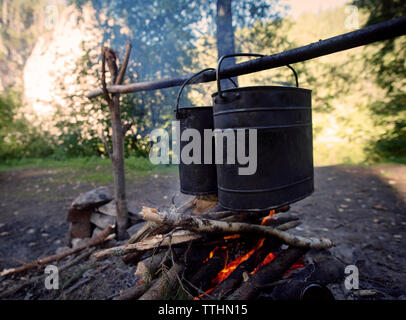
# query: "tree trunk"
225 36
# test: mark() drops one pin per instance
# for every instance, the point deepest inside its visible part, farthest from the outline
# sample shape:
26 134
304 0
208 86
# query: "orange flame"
267 260
233 236
267 218
230 267
297 265
211 254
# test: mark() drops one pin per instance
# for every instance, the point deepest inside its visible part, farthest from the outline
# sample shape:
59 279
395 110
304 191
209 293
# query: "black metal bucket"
197 179
282 117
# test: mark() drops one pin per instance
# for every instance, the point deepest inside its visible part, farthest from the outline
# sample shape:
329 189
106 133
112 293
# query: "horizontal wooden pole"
378 32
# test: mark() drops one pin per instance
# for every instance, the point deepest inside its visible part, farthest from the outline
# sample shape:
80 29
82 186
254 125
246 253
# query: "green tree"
388 63
18 138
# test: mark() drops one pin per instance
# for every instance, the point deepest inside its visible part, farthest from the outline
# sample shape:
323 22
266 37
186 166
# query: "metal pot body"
282 117
197 179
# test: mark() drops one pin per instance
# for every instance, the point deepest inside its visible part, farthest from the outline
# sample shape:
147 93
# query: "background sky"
297 7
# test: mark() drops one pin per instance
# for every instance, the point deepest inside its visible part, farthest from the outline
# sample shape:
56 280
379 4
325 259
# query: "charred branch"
269 273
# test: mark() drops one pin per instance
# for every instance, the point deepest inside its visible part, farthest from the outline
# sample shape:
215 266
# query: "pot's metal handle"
177 113
244 55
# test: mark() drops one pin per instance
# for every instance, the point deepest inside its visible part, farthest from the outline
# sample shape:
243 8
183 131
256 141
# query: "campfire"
200 252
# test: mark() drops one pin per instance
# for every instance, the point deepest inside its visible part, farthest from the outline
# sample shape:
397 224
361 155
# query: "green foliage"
358 107
18 138
388 63
81 121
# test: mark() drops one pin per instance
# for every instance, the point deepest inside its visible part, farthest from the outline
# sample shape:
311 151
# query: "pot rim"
251 88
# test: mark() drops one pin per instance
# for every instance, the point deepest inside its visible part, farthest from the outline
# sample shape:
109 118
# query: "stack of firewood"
199 251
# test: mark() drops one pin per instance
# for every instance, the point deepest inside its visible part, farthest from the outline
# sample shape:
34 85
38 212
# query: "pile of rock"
93 211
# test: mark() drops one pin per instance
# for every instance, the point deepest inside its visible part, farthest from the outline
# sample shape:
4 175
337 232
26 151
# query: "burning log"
277 219
254 258
269 273
212 266
212 226
240 216
260 255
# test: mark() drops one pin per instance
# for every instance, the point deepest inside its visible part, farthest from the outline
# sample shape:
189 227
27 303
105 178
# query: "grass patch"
92 169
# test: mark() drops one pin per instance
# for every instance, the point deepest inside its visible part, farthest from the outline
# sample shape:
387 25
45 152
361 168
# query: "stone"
133 209
75 215
80 242
80 230
92 199
102 220
135 228
109 209
96 231
62 250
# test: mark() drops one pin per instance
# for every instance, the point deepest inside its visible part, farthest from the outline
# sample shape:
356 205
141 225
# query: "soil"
362 209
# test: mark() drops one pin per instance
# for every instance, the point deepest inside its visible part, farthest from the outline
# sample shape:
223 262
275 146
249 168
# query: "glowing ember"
230 267
266 219
267 260
211 254
223 274
233 236
299 264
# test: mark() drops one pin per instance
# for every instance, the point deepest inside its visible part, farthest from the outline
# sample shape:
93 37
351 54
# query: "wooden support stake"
117 156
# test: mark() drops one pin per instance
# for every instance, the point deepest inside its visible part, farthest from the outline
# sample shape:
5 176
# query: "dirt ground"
363 210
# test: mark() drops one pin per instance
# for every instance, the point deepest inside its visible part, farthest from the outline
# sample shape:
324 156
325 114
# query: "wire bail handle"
177 113
220 93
